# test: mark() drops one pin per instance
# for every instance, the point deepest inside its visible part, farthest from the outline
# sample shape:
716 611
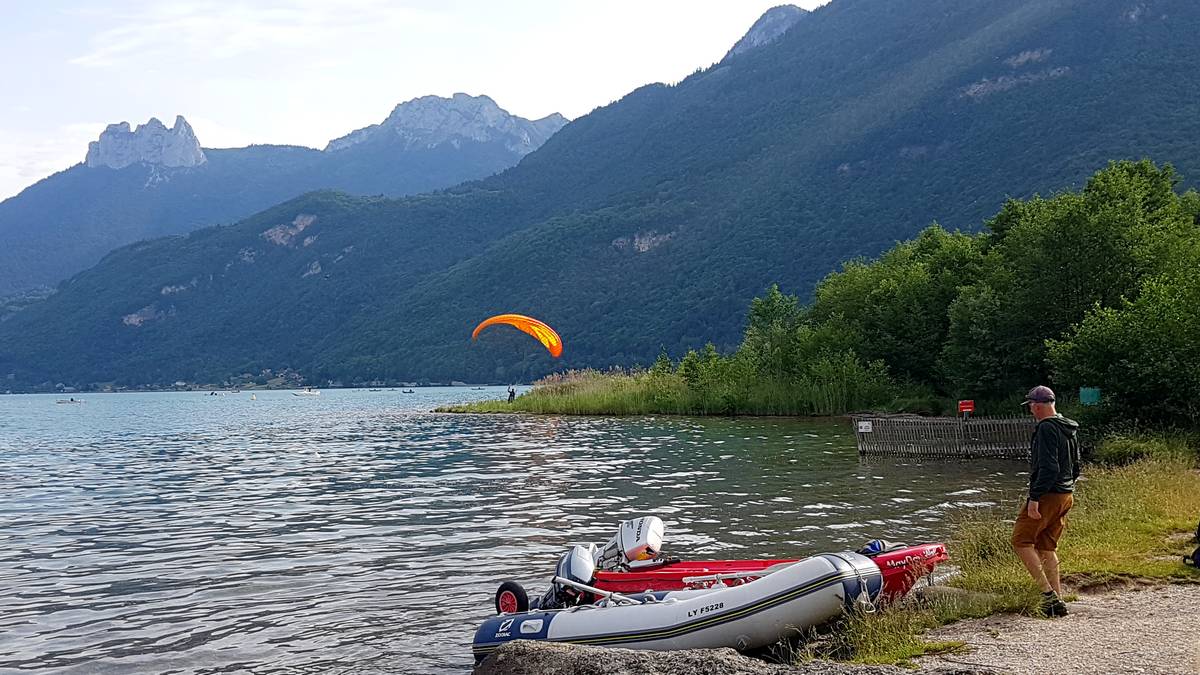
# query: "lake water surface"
358 532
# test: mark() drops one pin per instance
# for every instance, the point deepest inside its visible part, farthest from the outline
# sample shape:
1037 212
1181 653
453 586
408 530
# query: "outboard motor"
578 565
637 540
876 546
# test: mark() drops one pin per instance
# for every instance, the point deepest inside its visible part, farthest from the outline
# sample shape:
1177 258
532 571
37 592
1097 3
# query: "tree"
1144 355
662 365
769 342
895 309
1052 261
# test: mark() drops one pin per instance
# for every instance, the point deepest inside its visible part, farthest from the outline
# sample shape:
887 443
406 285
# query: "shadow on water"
193 534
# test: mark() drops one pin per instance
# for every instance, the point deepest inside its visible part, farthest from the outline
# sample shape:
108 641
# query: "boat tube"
629 593
754 614
901 566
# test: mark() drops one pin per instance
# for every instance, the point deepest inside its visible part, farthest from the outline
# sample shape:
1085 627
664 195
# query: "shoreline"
1133 628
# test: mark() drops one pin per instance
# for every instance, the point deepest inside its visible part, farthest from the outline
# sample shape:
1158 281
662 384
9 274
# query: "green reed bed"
833 388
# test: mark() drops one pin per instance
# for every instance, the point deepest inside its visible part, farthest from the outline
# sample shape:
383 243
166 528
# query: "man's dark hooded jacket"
1054 458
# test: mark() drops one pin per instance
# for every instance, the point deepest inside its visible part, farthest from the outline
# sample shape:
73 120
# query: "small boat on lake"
629 594
756 614
307 391
408 391
69 401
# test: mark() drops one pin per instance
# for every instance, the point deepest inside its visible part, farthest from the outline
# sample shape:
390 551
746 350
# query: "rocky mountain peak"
430 121
150 143
769 27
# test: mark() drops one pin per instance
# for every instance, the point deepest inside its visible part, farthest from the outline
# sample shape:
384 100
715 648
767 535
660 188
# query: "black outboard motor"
876 546
579 565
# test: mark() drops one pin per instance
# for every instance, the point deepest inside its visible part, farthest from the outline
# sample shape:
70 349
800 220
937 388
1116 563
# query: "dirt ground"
1152 629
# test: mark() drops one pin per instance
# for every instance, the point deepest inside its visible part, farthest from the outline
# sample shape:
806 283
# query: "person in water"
1053 468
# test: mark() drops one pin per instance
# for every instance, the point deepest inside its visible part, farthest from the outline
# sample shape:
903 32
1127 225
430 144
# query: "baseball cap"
1039 394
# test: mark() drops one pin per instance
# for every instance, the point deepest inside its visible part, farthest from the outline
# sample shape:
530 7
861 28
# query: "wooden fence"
943 437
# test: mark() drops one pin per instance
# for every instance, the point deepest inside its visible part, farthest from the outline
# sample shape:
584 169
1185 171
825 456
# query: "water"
356 531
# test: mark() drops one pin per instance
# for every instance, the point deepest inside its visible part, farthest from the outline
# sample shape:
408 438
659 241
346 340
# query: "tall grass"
832 388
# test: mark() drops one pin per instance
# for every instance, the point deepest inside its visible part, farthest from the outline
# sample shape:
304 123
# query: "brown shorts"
1043 533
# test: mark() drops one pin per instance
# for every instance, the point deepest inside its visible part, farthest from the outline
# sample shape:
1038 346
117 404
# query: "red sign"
966 406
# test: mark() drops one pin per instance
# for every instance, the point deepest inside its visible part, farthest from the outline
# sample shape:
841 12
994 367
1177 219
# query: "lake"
357 531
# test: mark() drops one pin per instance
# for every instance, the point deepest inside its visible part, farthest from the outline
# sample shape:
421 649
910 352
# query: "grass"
593 392
641 392
1128 522
1123 448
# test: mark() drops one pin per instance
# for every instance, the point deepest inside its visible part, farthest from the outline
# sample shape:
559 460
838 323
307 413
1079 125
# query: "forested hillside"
652 222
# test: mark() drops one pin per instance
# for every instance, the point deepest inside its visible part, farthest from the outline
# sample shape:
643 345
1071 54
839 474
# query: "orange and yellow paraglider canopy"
544 334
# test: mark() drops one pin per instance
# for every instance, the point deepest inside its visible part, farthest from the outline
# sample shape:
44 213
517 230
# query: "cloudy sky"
306 71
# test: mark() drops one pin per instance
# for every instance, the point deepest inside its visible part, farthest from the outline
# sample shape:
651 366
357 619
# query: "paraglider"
543 333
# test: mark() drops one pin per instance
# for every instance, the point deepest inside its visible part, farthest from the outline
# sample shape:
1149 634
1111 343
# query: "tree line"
1091 288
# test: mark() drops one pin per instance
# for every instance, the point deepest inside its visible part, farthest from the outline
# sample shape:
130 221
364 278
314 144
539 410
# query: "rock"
528 657
772 24
430 121
151 143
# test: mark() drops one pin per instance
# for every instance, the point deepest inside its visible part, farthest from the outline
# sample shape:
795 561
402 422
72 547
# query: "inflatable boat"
633 562
901 567
754 614
629 593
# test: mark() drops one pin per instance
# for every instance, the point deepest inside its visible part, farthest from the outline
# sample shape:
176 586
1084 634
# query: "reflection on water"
356 531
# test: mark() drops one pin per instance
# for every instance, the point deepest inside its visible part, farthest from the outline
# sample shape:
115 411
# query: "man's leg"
1049 563
1033 563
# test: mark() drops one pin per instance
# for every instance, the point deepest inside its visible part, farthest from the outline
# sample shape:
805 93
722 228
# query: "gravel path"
1155 630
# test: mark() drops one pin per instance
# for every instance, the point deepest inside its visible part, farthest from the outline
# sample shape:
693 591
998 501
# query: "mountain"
153 181
430 121
150 143
769 27
653 221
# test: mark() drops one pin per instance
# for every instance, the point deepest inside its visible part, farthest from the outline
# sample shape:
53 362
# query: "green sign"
1089 395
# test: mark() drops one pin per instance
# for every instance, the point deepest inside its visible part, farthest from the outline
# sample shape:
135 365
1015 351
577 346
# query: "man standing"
1053 468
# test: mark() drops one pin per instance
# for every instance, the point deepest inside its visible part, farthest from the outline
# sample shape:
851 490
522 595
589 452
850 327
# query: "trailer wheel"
511 598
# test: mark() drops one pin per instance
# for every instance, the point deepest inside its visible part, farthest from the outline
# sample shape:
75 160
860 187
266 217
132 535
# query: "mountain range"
651 222
152 180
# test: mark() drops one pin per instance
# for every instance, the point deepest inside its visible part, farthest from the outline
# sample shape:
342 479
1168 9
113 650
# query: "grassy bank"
843 387
1129 522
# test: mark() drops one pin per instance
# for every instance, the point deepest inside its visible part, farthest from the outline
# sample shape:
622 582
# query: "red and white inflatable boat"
901 566
633 562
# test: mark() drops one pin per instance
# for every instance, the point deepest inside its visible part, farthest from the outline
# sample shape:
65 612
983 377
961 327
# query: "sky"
306 71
